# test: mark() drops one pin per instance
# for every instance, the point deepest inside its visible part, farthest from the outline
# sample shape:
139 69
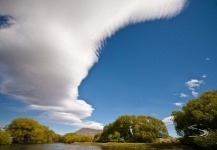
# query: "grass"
140 145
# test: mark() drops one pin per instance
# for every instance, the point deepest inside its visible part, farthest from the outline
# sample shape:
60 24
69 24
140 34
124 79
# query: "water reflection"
56 146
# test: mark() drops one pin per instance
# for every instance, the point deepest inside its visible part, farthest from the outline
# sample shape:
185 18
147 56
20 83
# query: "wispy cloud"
50 47
183 95
154 114
194 93
207 58
192 85
180 104
204 76
168 120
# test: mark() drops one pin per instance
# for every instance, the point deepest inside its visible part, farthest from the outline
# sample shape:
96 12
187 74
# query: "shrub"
4 137
207 142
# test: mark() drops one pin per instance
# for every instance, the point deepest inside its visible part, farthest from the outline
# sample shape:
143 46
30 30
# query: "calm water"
55 146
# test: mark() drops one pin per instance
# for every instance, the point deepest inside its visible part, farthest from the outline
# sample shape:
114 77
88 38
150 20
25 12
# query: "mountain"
88 131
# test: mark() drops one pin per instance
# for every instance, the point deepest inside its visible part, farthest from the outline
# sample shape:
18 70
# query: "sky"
77 64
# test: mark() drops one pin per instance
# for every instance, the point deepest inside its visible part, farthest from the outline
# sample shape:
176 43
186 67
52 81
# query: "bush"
73 137
207 142
27 130
97 137
4 137
138 129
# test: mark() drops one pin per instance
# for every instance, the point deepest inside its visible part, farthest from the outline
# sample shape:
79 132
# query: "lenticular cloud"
48 46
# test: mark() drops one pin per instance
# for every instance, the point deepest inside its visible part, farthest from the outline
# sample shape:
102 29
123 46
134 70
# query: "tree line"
27 130
127 128
196 123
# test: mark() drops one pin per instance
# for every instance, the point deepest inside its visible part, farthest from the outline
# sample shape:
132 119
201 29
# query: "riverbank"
176 146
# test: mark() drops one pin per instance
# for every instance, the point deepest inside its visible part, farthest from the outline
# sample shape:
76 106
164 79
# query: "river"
55 146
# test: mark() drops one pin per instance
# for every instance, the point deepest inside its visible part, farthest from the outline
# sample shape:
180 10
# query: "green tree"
27 130
202 113
97 137
4 137
129 128
50 135
69 138
207 142
73 137
84 138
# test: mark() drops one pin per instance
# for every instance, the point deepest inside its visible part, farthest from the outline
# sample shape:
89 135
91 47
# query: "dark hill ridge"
88 131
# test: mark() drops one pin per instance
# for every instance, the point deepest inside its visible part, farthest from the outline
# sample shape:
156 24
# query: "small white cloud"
204 76
195 94
183 95
168 120
180 104
207 58
193 83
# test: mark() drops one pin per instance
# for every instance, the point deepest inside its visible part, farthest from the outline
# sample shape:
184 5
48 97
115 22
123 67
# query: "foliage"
130 128
26 130
4 137
207 142
97 137
201 112
73 137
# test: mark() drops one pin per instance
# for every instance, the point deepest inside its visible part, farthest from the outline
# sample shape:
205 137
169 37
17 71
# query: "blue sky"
149 68
144 67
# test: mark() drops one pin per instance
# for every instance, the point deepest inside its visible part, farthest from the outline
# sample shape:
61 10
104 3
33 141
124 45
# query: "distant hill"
88 131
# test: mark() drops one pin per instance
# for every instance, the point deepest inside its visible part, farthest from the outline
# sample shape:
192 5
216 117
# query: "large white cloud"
52 44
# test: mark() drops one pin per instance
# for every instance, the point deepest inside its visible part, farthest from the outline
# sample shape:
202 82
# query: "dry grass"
162 144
